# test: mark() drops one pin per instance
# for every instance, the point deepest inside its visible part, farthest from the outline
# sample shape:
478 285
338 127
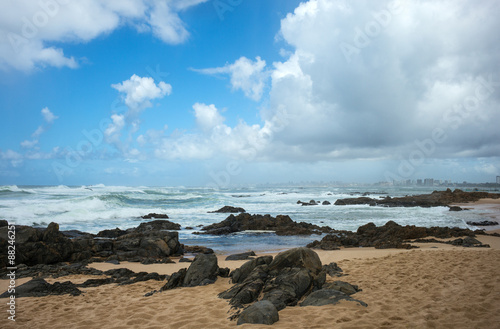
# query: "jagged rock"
228 209
483 223
282 225
241 256
435 199
262 312
39 287
333 269
391 235
283 281
154 215
203 270
328 296
241 273
157 225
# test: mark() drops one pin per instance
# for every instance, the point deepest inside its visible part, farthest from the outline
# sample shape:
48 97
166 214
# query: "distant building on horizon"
498 179
429 182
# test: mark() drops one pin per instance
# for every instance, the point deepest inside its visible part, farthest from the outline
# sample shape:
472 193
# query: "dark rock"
197 250
263 312
154 215
282 225
297 257
342 286
325 203
223 272
391 235
283 281
333 269
240 274
203 270
3 223
455 208
204 267
111 233
158 225
435 199
242 256
185 260
228 209
328 296
483 223
39 288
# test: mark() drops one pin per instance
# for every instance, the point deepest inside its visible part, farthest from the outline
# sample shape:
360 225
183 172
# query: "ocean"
95 208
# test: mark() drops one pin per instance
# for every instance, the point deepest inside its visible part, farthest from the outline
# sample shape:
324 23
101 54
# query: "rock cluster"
483 223
391 235
276 283
39 287
146 243
435 199
281 224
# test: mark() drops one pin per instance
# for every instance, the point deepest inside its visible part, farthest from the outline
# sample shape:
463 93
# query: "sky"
239 92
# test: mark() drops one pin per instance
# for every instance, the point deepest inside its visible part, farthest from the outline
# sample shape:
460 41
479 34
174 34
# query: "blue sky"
225 92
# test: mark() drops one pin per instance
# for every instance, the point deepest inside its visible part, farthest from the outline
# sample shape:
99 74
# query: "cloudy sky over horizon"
219 92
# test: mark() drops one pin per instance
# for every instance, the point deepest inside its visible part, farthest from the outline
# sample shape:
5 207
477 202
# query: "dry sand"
437 286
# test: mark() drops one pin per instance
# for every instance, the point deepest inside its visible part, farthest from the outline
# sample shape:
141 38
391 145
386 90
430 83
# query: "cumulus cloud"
367 79
207 116
137 94
245 74
28 27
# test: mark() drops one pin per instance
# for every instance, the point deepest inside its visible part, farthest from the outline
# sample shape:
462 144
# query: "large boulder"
262 312
240 274
39 287
203 270
157 225
297 257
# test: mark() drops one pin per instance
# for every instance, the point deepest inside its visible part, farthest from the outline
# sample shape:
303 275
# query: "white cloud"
245 75
48 116
27 27
140 91
137 93
207 116
113 132
15 159
49 119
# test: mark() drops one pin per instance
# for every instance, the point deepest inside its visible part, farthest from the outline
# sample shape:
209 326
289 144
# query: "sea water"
95 208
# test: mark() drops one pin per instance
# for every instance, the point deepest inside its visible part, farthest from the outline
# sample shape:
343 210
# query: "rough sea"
95 208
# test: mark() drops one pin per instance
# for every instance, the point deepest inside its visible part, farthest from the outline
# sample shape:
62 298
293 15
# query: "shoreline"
486 207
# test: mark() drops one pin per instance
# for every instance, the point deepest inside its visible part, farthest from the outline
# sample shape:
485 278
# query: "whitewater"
95 208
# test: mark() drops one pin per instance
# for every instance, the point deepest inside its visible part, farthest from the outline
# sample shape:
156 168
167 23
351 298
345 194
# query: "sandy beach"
435 286
489 208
